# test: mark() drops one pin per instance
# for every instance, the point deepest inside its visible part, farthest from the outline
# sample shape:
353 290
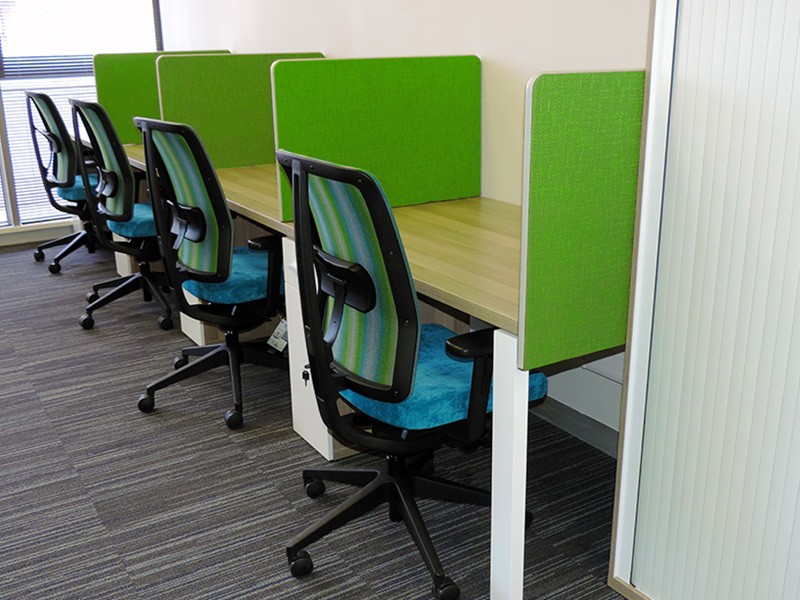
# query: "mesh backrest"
190 190
102 135
61 171
367 342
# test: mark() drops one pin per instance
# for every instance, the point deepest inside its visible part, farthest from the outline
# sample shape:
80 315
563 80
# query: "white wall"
514 38
594 389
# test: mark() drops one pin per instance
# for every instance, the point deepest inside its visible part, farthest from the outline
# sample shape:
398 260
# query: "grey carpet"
98 500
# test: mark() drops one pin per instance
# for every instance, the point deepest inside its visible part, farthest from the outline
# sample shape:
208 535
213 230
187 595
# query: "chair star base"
71 243
147 281
397 484
231 353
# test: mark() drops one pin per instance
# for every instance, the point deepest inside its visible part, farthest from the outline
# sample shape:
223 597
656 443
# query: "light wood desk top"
135 153
463 253
252 192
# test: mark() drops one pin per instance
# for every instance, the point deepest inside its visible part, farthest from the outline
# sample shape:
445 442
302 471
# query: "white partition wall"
709 484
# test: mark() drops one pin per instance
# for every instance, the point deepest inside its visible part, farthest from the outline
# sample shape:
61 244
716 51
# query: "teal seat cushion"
247 280
76 193
141 225
441 388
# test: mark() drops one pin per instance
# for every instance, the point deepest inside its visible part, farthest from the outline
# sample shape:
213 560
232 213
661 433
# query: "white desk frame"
509 470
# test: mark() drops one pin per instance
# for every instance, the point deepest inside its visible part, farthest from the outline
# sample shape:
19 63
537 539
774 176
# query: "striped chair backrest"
62 155
366 341
192 216
355 223
118 199
190 190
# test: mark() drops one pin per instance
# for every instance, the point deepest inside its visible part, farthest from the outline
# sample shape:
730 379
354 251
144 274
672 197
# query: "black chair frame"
174 220
145 250
406 472
62 142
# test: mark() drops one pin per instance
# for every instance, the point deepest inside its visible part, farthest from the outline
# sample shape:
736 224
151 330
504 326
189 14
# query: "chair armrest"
268 241
472 344
476 346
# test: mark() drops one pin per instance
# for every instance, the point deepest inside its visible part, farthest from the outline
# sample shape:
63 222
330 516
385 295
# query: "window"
47 46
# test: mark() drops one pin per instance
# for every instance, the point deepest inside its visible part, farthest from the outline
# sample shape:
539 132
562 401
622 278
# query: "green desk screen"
584 134
227 99
127 88
413 122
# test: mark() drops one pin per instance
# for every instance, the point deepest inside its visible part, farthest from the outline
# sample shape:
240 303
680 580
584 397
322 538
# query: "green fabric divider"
127 87
413 122
227 100
584 162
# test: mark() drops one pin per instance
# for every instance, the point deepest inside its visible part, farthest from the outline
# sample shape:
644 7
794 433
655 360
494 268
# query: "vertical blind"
719 498
31 200
47 46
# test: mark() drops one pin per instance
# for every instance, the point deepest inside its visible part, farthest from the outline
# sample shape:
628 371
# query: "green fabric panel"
127 87
584 157
190 190
366 342
227 100
414 122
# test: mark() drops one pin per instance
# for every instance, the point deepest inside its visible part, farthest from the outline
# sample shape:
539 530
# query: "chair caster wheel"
54 268
38 256
180 362
86 321
301 565
315 488
233 419
165 322
91 297
146 403
446 590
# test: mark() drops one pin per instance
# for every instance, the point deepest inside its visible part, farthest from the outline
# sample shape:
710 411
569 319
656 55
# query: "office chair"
239 288
411 387
114 210
59 173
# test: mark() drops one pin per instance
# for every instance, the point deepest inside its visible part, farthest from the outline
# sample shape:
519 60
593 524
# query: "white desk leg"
509 462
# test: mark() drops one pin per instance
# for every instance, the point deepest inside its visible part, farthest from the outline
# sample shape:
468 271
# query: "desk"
464 253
